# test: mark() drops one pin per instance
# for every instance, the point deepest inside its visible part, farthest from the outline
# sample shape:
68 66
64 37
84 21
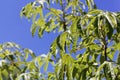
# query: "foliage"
81 26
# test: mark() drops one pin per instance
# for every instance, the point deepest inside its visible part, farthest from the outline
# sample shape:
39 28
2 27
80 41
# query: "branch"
64 21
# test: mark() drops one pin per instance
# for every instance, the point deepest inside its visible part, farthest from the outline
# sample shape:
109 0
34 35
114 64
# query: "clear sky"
16 29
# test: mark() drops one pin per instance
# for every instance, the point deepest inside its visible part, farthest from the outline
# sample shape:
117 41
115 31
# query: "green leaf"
32 67
2 55
99 69
110 55
75 71
46 62
40 23
39 61
116 46
111 19
92 22
118 59
33 29
95 12
56 12
53 48
110 30
113 76
27 11
40 32
5 75
89 4
28 51
62 40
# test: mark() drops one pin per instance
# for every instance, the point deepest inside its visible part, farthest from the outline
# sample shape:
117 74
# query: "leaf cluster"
85 49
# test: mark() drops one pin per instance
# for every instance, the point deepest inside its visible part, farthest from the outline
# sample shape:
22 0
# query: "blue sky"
16 29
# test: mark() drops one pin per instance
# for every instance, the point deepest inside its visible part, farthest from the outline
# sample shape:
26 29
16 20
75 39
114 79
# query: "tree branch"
64 21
